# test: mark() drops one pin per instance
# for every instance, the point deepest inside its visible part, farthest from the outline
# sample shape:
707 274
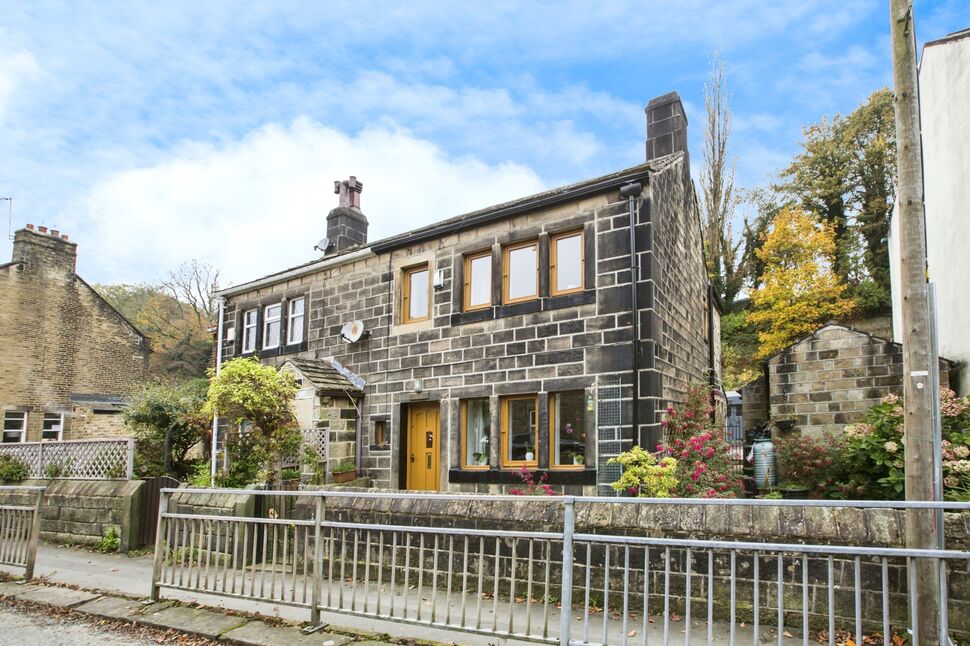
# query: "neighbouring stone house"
827 380
67 357
507 338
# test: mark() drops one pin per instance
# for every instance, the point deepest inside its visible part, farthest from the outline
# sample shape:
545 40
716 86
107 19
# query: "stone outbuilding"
67 357
827 380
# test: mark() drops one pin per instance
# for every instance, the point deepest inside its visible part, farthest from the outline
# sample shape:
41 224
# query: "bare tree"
194 283
717 187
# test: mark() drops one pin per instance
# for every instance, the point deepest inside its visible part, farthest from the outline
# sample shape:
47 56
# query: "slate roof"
325 376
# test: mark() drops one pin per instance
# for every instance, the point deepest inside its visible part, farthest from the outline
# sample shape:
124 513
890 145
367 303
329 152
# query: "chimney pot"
55 233
346 225
64 236
42 229
30 227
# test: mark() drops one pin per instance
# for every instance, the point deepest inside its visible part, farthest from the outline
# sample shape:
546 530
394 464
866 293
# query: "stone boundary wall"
82 511
810 525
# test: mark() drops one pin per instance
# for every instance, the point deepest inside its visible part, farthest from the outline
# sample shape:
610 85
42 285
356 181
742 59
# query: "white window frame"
267 321
60 427
249 331
292 317
23 427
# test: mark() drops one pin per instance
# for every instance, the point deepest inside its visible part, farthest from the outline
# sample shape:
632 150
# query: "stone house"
827 380
67 357
510 337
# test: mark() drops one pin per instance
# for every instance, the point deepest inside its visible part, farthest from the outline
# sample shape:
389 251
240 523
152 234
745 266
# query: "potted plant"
529 453
785 423
481 459
344 472
578 459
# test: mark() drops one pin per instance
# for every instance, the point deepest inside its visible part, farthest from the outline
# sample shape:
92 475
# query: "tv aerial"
353 331
323 245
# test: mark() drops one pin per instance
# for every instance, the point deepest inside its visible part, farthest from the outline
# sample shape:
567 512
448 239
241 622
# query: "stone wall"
83 511
832 377
58 336
553 343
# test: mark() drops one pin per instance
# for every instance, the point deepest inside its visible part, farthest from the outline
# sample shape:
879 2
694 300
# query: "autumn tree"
176 314
800 289
846 174
719 198
247 393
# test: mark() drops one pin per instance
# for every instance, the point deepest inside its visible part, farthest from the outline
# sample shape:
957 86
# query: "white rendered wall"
944 80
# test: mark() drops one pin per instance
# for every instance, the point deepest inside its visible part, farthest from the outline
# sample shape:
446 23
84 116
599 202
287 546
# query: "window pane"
522 431
522 272
13 427
477 432
272 335
296 307
249 331
569 423
418 294
273 312
295 332
569 263
52 427
480 290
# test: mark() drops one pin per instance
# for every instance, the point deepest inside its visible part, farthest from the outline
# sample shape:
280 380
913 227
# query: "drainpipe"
221 303
631 191
359 432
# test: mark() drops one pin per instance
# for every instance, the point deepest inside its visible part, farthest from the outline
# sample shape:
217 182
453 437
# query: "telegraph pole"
921 527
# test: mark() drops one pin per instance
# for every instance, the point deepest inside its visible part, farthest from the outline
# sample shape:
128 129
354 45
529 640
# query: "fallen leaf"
675 617
788 634
632 633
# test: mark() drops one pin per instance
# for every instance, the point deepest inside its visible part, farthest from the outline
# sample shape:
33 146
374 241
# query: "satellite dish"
352 332
323 245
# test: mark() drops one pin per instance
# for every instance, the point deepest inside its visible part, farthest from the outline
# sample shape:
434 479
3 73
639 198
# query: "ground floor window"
53 428
14 427
520 431
476 431
567 423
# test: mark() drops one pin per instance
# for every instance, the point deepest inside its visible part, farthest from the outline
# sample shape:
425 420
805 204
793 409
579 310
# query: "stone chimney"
39 249
346 225
666 127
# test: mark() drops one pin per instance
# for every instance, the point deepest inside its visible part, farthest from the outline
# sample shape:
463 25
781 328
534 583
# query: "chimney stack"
346 225
666 127
40 249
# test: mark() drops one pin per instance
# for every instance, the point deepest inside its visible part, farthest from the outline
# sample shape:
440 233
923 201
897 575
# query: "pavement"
116 586
20 627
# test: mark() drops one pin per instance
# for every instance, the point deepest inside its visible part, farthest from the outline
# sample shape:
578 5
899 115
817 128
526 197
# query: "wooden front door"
422 447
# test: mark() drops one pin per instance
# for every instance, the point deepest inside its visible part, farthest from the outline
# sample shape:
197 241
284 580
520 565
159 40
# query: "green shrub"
644 475
12 469
111 541
343 467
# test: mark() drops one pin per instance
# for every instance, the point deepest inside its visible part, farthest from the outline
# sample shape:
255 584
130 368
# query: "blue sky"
154 133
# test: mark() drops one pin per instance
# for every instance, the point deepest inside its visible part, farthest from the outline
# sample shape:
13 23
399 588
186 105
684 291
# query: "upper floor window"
249 331
417 294
272 319
53 428
14 427
520 431
566 263
478 280
295 320
520 272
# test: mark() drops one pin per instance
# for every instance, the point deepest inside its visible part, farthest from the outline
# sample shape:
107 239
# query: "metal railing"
107 459
20 528
562 586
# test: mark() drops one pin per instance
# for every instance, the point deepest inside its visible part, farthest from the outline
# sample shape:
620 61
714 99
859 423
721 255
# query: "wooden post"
921 528
34 537
161 545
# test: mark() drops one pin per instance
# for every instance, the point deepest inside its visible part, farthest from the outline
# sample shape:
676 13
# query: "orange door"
422 458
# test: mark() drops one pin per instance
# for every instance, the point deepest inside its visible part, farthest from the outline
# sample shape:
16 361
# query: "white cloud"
15 68
258 205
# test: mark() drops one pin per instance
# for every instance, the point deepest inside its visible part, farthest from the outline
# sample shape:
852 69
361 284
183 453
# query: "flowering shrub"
532 485
873 461
808 462
644 475
705 465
